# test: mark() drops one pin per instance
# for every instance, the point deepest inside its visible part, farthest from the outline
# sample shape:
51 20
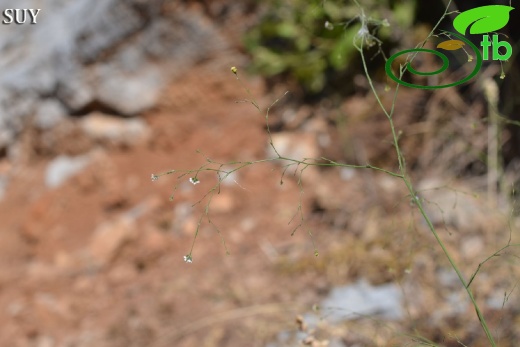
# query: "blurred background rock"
98 95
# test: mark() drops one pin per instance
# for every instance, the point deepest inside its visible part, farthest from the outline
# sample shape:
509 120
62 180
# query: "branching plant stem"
408 183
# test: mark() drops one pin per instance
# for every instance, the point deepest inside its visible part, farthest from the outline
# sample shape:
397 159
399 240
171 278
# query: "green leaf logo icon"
484 19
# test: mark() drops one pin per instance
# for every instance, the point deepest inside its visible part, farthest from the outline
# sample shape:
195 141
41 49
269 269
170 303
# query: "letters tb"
496 44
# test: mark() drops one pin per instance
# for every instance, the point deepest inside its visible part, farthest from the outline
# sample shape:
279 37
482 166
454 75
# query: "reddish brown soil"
98 261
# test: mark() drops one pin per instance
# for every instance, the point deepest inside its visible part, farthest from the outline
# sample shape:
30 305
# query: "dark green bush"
312 41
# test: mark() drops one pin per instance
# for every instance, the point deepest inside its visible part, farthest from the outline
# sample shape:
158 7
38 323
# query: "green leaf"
341 54
286 29
404 13
269 62
483 19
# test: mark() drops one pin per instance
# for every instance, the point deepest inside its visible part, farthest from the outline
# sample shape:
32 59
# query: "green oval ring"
445 65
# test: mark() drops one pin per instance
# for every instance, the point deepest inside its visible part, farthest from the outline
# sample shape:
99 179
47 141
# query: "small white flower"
154 177
194 180
363 32
188 258
329 25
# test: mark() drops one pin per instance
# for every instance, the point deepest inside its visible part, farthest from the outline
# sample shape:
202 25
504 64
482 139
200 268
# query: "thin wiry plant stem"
407 181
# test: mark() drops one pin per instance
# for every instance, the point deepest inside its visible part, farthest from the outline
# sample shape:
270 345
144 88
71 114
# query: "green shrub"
311 41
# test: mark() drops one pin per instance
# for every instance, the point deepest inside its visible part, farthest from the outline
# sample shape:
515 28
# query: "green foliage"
311 41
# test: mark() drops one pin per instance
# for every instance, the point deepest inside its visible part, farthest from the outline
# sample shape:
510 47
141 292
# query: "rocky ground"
92 249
